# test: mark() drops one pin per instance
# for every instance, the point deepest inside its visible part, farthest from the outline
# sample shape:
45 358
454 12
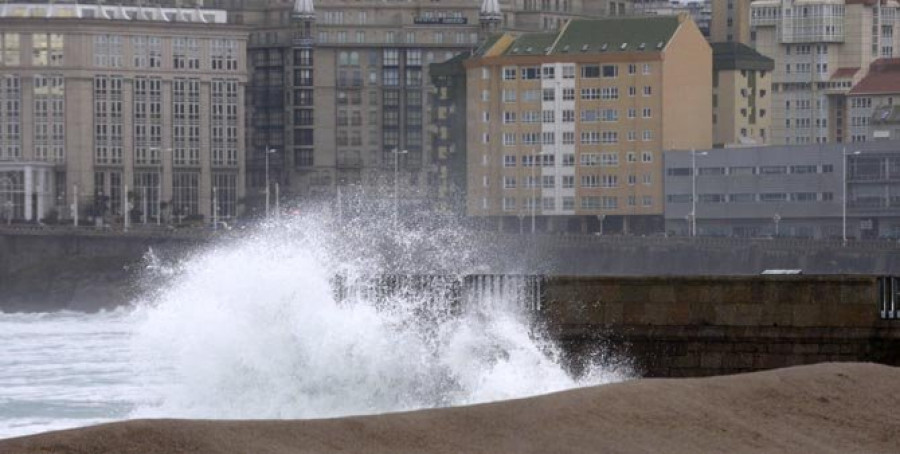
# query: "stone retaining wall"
697 326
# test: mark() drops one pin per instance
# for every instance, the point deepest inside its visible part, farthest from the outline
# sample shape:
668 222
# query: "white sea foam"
253 330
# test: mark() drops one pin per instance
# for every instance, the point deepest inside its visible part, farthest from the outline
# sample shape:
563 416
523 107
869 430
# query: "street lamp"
159 187
846 163
397 152
693 215
268 152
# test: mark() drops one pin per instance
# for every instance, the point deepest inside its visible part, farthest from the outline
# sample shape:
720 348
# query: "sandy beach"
827 408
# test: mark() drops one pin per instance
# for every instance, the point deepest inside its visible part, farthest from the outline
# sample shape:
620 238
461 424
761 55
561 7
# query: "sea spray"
253 328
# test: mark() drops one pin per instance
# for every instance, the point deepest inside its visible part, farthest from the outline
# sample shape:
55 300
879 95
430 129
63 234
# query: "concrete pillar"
29 190
41 194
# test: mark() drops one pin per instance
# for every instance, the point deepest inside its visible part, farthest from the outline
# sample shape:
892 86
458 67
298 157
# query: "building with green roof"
566 130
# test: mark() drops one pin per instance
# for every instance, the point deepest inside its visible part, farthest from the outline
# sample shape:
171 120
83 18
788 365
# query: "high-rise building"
567 128
120 106
821 48
730 21
742 95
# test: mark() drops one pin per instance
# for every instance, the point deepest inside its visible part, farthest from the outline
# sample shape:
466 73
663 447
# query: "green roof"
733 56
595 36
487 44
532 44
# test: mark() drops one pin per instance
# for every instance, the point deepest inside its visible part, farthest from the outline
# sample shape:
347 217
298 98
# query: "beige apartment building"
822 49
730 21
567 129
742 95
120 107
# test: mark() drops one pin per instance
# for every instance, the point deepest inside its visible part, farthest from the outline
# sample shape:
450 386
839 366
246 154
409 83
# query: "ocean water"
253 329
65 370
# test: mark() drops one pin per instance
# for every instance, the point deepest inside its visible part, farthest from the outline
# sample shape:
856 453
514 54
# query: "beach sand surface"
826 408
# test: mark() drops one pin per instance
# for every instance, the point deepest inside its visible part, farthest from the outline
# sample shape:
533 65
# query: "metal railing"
889 297
453 291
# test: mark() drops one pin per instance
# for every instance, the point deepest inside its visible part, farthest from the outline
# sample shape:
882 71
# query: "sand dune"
828 408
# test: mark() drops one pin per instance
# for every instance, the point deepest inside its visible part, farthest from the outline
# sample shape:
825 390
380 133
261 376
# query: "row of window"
750 197
568 181
799 169
608 159
394 37
590 203
568 138
548 72
510 95
568 116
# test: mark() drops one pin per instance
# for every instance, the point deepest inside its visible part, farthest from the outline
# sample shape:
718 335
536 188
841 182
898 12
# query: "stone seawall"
697 326
82 271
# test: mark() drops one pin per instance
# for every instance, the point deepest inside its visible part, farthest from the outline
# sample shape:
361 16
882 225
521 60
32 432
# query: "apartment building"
874 103
567 129
742 95
123 108
822 49
730 21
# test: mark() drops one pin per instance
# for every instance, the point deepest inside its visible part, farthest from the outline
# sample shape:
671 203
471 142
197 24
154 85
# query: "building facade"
730 21
124 109
566 129
742 95
873 113
795 191
822 49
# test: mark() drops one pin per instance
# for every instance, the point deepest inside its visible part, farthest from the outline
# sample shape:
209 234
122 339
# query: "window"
803 169
610 71
223 54
608 93
509 73
773 197
548 181
531 73
632 68
742 198
568 116
568 94
549 94
568 72
568 138
569 159
549 72
648 90
509 204
772 170
646 69
509 182
647 113
804 197
568 181
590 159
509 160
391 57
549 116
648 135
509 117
509 95
646 157
568 203
10 52
590 93
590 181
509 139
590 71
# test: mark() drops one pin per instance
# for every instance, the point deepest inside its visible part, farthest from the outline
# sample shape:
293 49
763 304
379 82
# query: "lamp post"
268 152
397 152
159 187
846 163
694 189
